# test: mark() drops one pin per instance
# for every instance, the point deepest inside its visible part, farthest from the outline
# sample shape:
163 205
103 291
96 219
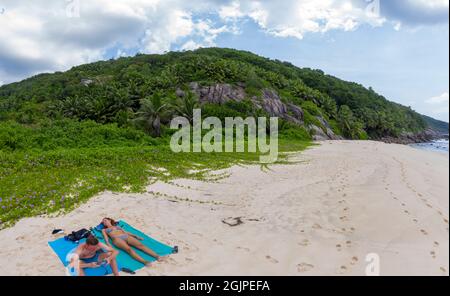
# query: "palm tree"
107 105
151 113
75 107
185 105
350 125
345 119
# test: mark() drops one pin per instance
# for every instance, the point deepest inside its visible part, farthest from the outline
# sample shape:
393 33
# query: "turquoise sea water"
437 145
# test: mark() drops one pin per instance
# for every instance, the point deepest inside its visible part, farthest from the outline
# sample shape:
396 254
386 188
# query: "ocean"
437 145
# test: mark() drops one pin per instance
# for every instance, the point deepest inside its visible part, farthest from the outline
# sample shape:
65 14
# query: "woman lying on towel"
125 240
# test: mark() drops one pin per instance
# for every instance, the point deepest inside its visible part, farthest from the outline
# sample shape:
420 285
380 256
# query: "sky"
398 47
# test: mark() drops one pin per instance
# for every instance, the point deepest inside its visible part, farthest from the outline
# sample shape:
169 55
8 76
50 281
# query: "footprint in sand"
355 260
339 247
304 267
170 260
348 243
272 260
304 243
424 232
243 248
436 244
433 254
317 226
443 269
415 221
406 212
342 269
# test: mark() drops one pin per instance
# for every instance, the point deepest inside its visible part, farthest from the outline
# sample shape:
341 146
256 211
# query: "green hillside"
111 91
67 136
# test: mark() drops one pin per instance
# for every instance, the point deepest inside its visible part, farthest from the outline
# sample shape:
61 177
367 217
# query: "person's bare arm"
106 237
75 261
111 251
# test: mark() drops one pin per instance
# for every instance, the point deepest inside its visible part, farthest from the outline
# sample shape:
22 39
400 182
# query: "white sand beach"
320 216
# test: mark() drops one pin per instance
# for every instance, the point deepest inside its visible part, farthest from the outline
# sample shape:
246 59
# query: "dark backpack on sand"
75 236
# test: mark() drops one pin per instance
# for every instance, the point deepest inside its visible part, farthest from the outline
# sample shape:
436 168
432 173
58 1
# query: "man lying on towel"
93 254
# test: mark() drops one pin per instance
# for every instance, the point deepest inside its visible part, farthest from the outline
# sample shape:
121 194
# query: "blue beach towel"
63 248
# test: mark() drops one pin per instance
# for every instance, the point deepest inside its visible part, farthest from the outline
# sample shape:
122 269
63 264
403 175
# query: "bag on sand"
78 235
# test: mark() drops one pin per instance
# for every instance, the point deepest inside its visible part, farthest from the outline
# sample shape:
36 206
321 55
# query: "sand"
322 215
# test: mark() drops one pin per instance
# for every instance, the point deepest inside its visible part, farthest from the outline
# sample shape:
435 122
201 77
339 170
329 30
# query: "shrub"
69 134
311 108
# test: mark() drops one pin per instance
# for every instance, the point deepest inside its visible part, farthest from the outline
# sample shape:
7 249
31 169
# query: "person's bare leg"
81 272
112 263
79 267
120 243
77 264
137 244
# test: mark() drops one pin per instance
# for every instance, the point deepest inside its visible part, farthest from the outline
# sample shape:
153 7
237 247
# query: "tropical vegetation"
67 136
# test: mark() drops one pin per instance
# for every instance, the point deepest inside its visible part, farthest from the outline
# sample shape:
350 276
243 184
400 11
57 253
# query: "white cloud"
438 100
190 45
231 11
176 25
291 18
430 4
439 105
39 35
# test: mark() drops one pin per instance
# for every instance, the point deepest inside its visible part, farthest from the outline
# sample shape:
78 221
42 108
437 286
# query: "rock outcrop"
269 101
322 134
272 104
86 82
317 133
411 138
330 135
218 93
